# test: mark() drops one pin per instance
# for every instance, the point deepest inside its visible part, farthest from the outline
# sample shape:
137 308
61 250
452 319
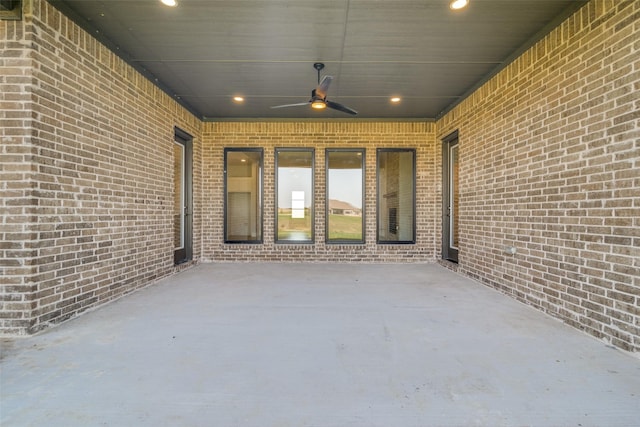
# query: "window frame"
363 157
226 196
313 201
379 151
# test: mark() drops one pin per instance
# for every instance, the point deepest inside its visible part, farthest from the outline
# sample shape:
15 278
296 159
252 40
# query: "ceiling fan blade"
323 87
341 107
299 104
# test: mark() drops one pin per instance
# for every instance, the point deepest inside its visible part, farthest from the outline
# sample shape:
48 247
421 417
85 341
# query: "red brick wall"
550 164
321 135
95 138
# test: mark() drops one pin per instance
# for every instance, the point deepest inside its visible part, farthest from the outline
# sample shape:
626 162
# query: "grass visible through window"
294 228
345 227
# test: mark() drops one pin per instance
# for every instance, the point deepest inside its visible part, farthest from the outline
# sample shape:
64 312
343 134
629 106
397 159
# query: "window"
243 195
345 196
294 195
396 196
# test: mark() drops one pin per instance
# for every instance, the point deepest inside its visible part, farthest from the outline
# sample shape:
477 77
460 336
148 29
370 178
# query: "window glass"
396 196
450 197
345 196
294 187
243 195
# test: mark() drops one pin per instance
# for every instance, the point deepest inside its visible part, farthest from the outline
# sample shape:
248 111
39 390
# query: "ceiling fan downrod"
318 66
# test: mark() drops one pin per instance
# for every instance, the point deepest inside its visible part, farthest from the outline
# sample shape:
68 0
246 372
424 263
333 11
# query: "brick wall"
17 198
550 164
87 173
320 136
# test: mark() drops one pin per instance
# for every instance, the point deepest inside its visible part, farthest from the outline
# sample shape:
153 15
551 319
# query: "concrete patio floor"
316 345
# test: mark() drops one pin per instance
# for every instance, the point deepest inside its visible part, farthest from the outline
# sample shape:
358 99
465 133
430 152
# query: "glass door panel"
451 198
178 196
182 197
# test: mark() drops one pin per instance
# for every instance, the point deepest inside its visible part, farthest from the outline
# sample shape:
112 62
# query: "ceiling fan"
319 95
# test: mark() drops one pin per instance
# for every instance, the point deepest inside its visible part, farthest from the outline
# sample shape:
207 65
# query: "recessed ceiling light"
171 3
395 99
458 4
238 98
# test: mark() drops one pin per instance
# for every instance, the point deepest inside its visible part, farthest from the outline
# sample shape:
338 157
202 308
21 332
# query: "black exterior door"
183 200
451 198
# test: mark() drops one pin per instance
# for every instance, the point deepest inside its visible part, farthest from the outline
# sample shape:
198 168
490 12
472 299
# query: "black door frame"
448 252
186 252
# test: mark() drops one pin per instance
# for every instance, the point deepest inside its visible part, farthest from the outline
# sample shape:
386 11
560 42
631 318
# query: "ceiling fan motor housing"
315 97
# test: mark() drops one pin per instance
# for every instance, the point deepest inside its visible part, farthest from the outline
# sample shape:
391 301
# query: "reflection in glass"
294 184
453 197
178 195
243 199
345 173
396 195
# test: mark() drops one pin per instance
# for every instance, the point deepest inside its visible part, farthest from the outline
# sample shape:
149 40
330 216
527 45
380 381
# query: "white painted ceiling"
205 52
